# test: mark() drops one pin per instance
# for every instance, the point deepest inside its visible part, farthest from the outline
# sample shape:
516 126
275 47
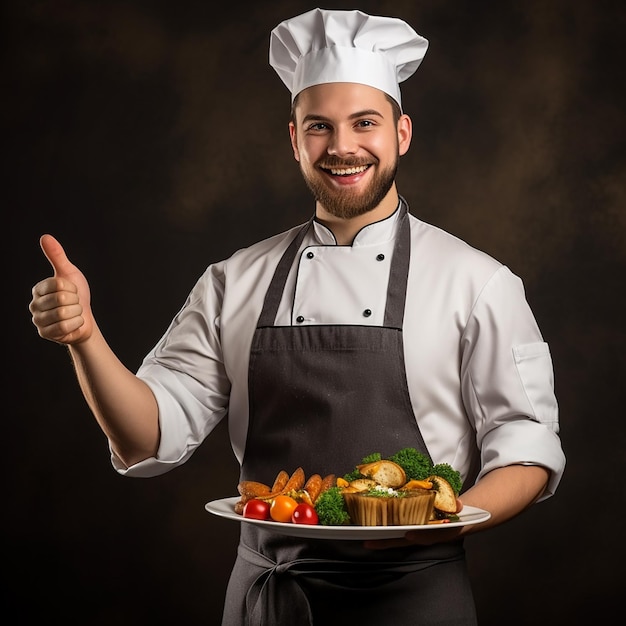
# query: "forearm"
505 492
123 405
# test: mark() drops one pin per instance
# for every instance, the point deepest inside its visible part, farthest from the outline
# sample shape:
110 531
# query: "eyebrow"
322 118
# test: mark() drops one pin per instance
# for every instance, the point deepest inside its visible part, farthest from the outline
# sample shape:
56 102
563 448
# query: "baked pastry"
384 506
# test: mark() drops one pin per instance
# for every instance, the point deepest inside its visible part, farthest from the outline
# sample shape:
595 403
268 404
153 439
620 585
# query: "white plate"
226 508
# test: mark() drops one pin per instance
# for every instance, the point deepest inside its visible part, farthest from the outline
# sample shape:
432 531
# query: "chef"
362 330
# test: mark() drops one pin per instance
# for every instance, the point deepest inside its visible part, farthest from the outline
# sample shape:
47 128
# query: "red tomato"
282 507
304 514
257 509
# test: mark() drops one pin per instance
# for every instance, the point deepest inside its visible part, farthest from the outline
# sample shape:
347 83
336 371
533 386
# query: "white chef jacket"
480 376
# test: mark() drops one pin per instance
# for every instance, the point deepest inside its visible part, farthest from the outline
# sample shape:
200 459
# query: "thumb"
56 255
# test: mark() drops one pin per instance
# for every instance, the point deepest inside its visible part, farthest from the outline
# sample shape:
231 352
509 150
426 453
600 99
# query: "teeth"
348 171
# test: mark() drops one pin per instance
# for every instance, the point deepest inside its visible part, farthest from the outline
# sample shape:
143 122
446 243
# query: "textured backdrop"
151 139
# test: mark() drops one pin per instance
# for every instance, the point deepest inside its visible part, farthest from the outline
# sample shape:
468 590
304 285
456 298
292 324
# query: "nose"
342 142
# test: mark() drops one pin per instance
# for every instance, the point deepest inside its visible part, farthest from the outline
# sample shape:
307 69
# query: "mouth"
346 171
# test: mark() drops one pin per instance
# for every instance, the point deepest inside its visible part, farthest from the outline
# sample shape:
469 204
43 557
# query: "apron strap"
399 272
275 290
262 606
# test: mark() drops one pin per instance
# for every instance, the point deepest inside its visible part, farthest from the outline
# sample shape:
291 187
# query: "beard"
348 203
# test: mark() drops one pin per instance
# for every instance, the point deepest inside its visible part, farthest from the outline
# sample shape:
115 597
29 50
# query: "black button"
300 319
309 255
380 257
367 312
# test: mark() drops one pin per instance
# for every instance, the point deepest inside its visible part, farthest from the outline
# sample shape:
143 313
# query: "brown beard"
346 204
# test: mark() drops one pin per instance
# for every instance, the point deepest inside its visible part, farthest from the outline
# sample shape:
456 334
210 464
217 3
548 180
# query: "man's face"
348 145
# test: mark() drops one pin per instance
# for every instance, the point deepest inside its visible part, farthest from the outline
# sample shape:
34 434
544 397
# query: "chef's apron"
322 397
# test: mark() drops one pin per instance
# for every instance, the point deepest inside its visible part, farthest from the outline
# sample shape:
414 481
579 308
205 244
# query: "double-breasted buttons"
380 257
309 255
367 312
300 319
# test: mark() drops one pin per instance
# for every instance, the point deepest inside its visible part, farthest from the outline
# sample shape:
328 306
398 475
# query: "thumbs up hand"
61 304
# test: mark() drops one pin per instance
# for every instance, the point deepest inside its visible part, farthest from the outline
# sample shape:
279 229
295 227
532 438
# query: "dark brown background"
151 139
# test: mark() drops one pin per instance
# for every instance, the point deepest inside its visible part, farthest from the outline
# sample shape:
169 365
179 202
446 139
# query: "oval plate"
226 508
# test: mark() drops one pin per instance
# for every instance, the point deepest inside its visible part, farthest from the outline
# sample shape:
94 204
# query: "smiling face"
348 144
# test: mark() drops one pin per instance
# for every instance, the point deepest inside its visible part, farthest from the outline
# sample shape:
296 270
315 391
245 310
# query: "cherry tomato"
282 507
304 514
257 509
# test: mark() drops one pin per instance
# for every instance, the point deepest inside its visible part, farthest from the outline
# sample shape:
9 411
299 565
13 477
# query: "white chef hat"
324 46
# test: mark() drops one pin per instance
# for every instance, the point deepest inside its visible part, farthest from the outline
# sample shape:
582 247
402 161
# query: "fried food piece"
313 486
296 481
252 489
327 482
280 482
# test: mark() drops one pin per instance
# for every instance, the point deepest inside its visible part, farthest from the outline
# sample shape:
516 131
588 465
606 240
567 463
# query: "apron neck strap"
399 272
275 290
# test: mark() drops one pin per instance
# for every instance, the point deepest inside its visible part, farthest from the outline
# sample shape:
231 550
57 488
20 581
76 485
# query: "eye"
365 123
317 126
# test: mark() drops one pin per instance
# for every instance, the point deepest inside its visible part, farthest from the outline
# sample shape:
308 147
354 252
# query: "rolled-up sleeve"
508 382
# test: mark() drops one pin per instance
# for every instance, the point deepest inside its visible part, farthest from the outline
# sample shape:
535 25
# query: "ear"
294 141
405 132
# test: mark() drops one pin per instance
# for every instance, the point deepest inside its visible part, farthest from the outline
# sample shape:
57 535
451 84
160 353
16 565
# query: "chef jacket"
479 373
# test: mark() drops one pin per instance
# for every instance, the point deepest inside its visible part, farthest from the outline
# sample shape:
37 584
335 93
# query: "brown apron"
321 398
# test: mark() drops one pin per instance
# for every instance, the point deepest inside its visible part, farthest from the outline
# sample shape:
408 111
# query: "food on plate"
445 497
416 465
251 489
305 513
282 508
328 482
420 474
358 484
384 472
444 470
384 496
295 482
384 506
403 489
280 482
331 508
257 509
312 488
294 485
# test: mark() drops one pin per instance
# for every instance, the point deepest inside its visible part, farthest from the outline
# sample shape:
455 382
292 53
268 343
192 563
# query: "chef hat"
322 46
